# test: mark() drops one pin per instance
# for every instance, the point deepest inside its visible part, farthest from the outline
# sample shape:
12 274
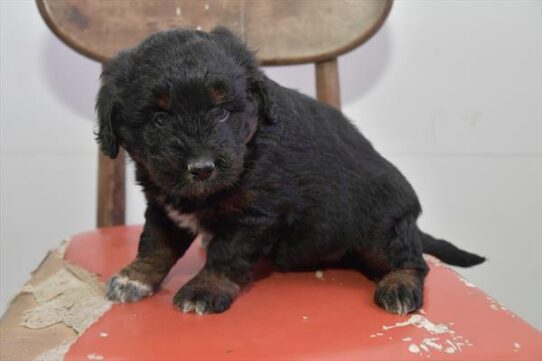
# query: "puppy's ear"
260 86
108 104
223 32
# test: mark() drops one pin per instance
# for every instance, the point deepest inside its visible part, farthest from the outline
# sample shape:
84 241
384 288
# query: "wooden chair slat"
282 31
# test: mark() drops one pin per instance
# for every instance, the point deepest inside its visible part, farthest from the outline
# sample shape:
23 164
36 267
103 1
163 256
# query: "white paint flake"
421 322
94 356
414 348
442 337
496 306
467 283
319 274
104 334
432 343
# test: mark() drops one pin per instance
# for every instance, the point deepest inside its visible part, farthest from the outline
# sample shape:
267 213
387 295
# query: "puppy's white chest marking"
190 222
187 221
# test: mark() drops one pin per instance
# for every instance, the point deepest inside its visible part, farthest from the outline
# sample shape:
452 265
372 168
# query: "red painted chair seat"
295 316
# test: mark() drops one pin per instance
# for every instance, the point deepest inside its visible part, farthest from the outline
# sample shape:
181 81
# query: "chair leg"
111 190
327 83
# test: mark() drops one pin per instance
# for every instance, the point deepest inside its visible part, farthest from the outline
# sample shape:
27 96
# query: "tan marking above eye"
164 100
217 95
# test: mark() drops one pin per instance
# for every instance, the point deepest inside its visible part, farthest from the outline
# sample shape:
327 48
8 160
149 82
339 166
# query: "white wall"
449 90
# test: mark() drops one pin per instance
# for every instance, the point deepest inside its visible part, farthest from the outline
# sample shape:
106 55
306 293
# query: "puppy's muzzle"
201 169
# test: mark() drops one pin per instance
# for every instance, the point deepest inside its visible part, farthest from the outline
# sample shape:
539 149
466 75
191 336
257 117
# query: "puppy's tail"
448 253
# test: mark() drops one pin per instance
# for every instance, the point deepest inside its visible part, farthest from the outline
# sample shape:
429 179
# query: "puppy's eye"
222 115
159 118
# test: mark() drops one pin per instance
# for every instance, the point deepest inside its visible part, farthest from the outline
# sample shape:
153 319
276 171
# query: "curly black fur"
291 181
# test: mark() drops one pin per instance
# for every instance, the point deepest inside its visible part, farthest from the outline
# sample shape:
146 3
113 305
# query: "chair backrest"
282 31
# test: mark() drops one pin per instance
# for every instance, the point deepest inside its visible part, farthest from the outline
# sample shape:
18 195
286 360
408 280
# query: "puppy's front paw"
206 293
400 293
122 289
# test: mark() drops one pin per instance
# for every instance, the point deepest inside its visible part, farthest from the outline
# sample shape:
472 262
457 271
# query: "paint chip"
414 348
104 334
305 317
178 11
319 274
443 338
71 296
467 283
421 322
94 356
56 353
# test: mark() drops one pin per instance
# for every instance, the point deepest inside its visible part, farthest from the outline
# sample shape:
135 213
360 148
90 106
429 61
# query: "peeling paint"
496 306
414 348
56 353
94 356
71 296
319 274
421 322
443 339
467 283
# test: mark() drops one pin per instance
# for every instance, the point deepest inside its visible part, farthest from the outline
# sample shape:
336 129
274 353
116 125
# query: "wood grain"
327 83
111 190
282 31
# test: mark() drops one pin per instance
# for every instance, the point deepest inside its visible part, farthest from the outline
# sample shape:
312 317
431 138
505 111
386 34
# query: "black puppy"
264 171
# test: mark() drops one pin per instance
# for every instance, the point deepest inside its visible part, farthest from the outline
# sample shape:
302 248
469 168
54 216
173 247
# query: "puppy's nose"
201 169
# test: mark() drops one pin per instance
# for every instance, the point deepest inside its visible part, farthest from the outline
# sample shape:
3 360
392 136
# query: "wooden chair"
283 32
284 316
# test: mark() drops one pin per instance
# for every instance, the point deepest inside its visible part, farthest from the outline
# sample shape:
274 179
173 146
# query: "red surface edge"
295 316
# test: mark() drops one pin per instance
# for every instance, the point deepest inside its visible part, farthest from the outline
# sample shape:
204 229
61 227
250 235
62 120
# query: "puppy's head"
184 104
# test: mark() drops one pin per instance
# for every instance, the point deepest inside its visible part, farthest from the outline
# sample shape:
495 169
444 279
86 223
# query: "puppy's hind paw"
400 301
399 293
122 289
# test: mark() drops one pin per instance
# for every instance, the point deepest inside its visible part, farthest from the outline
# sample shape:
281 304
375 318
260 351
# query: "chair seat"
295 316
